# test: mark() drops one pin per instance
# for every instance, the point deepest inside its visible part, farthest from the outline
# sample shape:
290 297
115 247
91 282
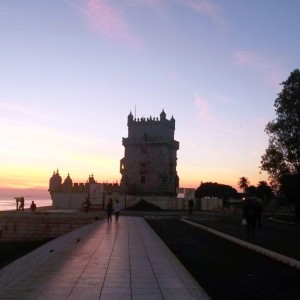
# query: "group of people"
21 206
252 214
20 200
110 208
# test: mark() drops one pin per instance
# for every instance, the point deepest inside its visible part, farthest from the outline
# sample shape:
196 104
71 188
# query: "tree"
290 187
264 191
251 191
243 183
209 189
282 157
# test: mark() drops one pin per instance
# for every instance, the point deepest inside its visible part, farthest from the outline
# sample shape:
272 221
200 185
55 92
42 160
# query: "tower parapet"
151 126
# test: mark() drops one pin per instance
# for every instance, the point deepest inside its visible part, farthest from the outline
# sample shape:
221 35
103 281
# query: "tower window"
143 179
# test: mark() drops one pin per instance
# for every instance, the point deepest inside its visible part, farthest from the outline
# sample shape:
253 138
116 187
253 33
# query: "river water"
7 203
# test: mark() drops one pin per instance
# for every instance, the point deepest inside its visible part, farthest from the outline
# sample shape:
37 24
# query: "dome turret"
68 183
91 179
55 182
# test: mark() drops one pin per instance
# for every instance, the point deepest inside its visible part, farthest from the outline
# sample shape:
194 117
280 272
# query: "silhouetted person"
109 209
86 205
191 206
297 213
117 210
22 203
250 214
32 206
258 213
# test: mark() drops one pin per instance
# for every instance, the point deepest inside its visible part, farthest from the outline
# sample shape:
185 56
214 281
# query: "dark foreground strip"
224 269
271 254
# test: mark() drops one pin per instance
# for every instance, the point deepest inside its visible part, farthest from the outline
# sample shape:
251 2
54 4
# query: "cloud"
206 116
147 3
195 146
203 109
207 8
260 63
105 19
24 111
248 58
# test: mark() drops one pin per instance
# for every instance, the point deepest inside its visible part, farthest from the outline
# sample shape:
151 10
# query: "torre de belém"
148 171
150 160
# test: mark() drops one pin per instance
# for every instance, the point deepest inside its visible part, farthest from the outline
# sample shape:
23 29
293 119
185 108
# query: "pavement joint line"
271 254
22 266
148 257
129 257
93 253
113 238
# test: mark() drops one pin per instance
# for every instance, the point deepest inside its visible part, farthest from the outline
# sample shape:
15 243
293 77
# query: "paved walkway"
124 260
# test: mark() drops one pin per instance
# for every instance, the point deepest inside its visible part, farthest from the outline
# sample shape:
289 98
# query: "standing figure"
297 213
86 205
191 206
109 209
250 214
117 210
32 206
22 203
258 213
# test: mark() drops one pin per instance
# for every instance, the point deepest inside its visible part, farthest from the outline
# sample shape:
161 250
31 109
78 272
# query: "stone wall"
208 203
27 226
68 199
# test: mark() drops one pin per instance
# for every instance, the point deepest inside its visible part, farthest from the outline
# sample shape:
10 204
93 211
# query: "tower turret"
130 118
163 115
68 183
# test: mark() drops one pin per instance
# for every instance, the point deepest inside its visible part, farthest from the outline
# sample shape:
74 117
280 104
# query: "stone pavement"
124 260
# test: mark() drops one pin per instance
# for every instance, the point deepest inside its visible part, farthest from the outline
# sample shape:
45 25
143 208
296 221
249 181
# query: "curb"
271 254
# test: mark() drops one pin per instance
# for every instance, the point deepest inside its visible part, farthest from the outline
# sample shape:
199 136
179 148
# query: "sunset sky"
72 70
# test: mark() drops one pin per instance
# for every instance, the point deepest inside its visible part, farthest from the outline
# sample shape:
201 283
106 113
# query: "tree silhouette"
282 157
210 189
243 183
264 191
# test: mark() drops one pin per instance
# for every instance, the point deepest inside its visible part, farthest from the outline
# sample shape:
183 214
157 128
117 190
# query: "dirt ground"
225 270
10 251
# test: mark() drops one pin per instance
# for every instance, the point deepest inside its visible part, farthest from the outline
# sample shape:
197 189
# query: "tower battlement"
151 127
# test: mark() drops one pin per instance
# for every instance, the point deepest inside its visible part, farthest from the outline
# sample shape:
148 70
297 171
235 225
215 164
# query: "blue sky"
72 70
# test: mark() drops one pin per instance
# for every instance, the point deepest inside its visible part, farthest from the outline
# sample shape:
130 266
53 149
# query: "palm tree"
243 183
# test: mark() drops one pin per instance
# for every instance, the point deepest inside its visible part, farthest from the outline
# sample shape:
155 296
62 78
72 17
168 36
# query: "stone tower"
150 160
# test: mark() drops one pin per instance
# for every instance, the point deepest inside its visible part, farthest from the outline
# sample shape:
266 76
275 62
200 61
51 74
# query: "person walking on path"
297 213
109 209
117 210
250 214
191 206
258 213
